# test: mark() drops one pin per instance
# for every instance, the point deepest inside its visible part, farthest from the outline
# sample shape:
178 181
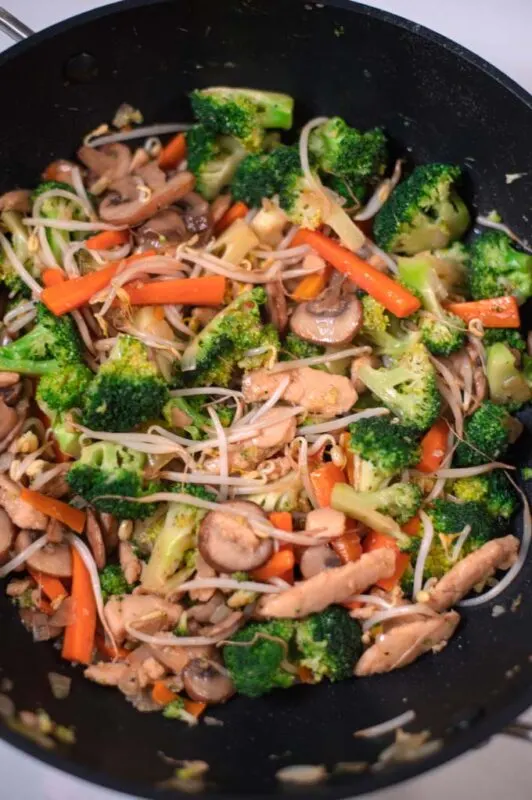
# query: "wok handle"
13 27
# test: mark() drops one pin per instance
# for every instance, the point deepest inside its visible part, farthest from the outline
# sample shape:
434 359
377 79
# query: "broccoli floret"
60 208
423 213
353 193
450 517
507 384
63 389
243 113
295 348
408 388
497 267
443 333
268 338
112 581
493 490
66 434
12 222
254 180
401 501
347 153
214 354
52 343
256 660
330 644
385 448
212 159
384 330
507 336
486 436
126 391
109 469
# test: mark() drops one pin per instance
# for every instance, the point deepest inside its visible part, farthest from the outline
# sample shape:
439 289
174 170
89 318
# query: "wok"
438 102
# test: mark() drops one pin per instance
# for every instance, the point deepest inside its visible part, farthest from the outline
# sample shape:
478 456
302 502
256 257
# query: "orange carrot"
311 286
78 643
412 527
497 312
109 651
52 276
173 153
392 295
194 707
305 675
72 517
283 521
162 695
275 567
106 240
347 546
45 607
433 447
52 587
236 211
208 291
67 296
345 439
376 541
324 480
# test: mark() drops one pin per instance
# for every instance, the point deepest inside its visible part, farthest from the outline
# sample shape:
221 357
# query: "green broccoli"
112 581
330 644
126 391
60 208
423 213
11 222
256 659
66 434
269 340
52 343
493 490
243 113
212 159
294 348
443 333
384 448
408 388
508 336
109 469
354 194
401 501
486 436
215 353
187 415
383 330
497 267
63 389
507 384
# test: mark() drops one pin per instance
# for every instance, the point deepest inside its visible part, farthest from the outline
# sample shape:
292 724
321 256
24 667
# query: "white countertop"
503 767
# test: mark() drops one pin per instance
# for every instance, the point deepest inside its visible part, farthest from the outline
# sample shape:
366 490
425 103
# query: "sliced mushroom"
8 419
111 160
203 612
52 559
113 209
93 532
22 407
166 227
228 543
18 200
316 559
277 306
7 535
109 528
11 394
331 318
152 175
55 531
197 217
205 682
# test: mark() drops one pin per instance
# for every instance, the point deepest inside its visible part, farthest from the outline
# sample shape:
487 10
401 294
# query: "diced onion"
386 727
457 549
223 457
464 472
169 640
424 549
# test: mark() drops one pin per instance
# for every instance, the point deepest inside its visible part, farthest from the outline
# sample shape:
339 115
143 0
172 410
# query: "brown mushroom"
207 682
109 527
111 160
197 217
276 305
203 612
8 419
152 175
52 559
7 535
93 532
114 209
166 227
316 559
12 392
18 200
332 318
228 543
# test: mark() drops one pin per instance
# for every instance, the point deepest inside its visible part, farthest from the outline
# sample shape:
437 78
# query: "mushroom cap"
331 318
52 559
228 543
317 559
205 681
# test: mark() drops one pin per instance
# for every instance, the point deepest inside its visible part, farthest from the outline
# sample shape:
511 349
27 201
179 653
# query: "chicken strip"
22 514
106 674
326 520
319 392
334 585
475 568
404 642
145 612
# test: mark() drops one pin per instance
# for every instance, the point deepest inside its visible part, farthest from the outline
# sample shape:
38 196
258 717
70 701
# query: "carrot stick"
79 635
497 312
311 286
194 707
52 276
106 240
324 480
173 152
392 295
283 521
107 650
208 291
348 546
376 541
236 211
51 587
71 517
433 447
67 296
162 695
278 564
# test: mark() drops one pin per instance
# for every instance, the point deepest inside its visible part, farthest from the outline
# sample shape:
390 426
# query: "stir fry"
256 404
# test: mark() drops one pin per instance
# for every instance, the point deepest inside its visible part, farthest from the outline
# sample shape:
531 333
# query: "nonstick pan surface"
437 102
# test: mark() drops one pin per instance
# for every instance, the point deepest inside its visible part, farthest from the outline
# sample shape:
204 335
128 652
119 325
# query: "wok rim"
478 732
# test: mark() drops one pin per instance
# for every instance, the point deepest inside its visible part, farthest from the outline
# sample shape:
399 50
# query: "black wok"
438 102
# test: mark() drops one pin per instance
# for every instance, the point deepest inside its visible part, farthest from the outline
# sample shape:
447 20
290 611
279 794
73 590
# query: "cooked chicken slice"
331 586
106 674
23 515
475 568
326 520
319 392
131 566
175 659
404 642
145 612
203 570
7 535
149 671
